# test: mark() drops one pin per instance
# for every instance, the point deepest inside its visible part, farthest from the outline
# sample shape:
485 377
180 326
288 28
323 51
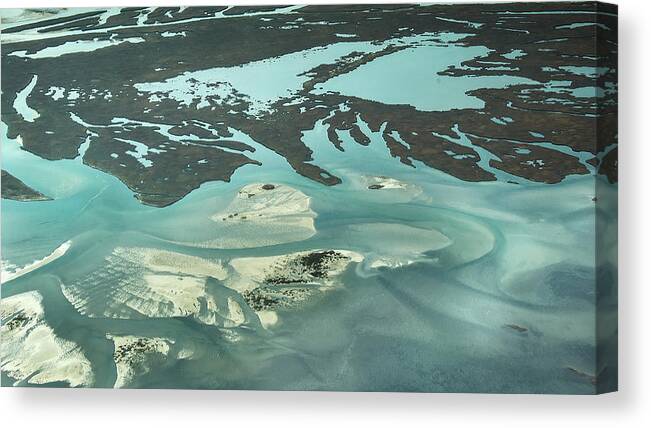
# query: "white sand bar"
31 352
8 275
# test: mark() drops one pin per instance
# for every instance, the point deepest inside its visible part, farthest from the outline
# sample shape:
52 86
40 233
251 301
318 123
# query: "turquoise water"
417 68
436 320
404 328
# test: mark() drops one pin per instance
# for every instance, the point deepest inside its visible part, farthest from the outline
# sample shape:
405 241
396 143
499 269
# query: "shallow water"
420 85
405 328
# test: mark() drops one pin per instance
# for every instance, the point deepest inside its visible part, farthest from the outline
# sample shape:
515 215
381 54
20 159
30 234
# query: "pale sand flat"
172 262
262 216
137 282
31 351
182 291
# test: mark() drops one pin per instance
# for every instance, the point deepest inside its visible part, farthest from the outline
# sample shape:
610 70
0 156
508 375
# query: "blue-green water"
516 256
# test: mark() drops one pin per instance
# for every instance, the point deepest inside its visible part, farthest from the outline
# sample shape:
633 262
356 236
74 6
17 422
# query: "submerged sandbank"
398 245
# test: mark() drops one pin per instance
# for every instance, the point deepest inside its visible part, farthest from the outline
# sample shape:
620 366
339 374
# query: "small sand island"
269 283
382 186
30 349
134 355
15 189
384 183
264 214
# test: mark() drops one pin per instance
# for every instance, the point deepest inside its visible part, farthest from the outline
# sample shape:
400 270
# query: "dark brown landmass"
13 188
548 125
